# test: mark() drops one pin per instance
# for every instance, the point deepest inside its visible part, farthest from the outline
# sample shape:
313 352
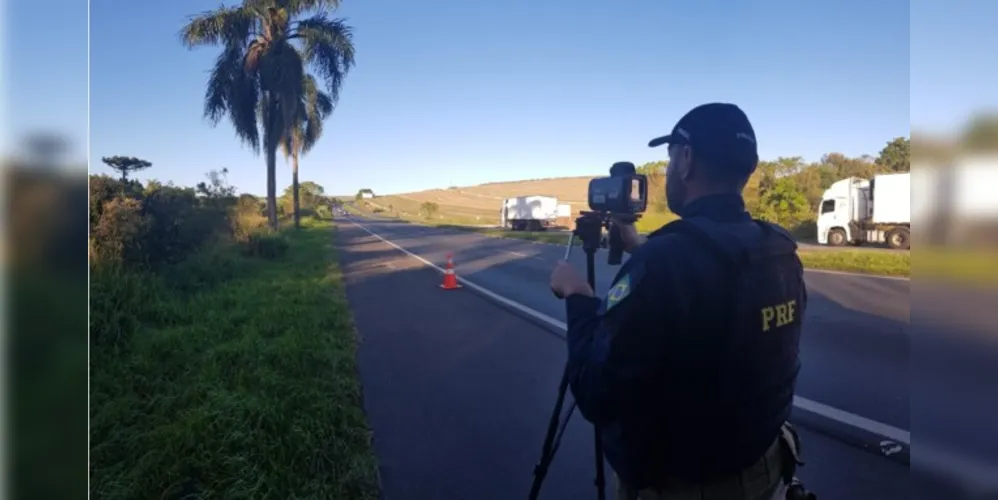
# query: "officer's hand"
565 281
628 232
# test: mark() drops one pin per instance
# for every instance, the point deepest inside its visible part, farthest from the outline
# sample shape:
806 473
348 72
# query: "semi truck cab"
843 202
857 211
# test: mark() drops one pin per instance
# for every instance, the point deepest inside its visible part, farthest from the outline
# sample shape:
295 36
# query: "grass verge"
858 261
228 376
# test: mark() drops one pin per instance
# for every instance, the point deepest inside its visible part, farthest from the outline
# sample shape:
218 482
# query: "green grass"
858 261
228 377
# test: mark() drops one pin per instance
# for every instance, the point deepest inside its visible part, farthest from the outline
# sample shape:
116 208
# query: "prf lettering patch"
783 314
619 291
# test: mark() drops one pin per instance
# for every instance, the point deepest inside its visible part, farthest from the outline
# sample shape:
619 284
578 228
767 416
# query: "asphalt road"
458 390
855 351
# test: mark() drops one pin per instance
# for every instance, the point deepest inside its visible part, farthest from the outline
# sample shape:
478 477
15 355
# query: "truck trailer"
856 211
528 213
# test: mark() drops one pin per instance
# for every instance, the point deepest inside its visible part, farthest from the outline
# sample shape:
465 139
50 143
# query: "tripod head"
589 228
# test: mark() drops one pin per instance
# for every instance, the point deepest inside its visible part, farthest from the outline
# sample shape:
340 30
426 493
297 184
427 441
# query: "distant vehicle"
856 211
528 213
955 203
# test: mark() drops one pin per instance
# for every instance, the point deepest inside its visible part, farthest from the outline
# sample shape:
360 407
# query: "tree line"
788 190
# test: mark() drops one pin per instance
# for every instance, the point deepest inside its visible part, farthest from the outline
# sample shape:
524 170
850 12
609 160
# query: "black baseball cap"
718 132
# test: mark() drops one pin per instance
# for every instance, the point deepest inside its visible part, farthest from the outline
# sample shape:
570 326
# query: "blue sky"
457 92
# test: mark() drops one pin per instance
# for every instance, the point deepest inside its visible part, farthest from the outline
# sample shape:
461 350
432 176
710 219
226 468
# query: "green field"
228 376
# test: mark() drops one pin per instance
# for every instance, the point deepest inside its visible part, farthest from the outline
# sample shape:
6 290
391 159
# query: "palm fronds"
260 80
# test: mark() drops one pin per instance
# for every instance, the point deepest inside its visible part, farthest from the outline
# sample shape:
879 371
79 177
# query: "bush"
147 226
246 223
428 209
119 232
181 223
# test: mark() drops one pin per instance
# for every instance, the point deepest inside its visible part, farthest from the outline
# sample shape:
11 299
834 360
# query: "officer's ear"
686 162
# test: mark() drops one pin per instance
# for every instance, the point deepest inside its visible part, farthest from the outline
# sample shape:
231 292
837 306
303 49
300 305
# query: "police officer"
689 364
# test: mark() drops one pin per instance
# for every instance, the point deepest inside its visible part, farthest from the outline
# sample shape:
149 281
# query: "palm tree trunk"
272 185
294 189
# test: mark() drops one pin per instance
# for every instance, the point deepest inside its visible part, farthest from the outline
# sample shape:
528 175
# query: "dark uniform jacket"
689 363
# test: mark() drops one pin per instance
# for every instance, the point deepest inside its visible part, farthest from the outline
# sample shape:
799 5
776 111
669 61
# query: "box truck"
528 213
856 211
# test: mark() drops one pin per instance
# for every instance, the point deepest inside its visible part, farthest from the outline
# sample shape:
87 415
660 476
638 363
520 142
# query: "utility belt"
789 443
760 481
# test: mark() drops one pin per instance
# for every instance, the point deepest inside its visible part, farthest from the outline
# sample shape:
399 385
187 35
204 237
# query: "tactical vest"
728 383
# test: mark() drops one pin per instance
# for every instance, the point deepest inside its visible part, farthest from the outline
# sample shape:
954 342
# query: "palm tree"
261 72
313 108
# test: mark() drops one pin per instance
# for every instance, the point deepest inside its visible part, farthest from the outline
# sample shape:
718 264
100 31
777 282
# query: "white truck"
857 211
528 213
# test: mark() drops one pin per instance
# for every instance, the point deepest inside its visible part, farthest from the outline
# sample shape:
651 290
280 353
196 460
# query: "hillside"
479 205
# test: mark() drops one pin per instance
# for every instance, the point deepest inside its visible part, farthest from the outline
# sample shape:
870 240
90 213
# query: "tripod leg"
600 473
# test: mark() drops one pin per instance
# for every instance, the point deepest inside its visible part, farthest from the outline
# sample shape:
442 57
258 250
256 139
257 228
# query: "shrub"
104 188
141 226
119 232
428 209
246 222
180 224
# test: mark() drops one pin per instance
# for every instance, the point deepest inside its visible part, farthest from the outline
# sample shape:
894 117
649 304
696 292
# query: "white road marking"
488 293
823 410
518 254
853 420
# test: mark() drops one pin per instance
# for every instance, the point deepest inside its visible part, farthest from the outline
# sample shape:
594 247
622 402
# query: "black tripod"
588 228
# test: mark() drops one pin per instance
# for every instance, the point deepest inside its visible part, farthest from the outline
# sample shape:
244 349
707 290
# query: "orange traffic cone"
450 279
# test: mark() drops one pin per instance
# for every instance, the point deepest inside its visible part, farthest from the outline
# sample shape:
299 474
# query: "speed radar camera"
623 192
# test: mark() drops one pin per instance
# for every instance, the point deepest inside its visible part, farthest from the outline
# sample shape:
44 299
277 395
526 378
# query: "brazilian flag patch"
619 292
